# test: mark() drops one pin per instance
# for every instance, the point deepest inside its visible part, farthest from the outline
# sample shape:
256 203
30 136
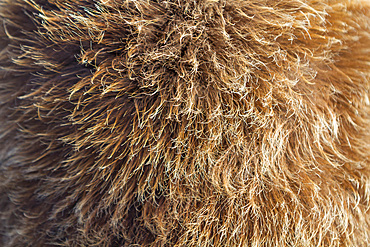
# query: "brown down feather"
184 123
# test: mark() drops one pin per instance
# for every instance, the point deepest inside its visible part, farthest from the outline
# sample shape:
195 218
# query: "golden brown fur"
184 123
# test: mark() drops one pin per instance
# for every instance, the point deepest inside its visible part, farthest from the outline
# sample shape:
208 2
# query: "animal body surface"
184 123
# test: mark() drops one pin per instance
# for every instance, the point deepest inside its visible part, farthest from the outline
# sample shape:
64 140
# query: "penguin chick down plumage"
184 123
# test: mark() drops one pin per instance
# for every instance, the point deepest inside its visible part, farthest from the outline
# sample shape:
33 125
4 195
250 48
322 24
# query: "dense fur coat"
184 123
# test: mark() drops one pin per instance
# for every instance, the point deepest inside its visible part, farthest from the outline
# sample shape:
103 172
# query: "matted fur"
184 123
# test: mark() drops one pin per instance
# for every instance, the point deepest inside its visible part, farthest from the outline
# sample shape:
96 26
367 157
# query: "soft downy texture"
184 123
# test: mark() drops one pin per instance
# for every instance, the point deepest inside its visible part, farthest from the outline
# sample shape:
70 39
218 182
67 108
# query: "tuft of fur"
184 123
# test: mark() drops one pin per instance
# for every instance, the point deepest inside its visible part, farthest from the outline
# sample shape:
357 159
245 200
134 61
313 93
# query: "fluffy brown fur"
184 123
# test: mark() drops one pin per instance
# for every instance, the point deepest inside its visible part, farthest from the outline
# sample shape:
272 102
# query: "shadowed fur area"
184 123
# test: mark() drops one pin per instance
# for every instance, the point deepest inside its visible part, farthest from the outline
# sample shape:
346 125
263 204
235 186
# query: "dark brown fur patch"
184 123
